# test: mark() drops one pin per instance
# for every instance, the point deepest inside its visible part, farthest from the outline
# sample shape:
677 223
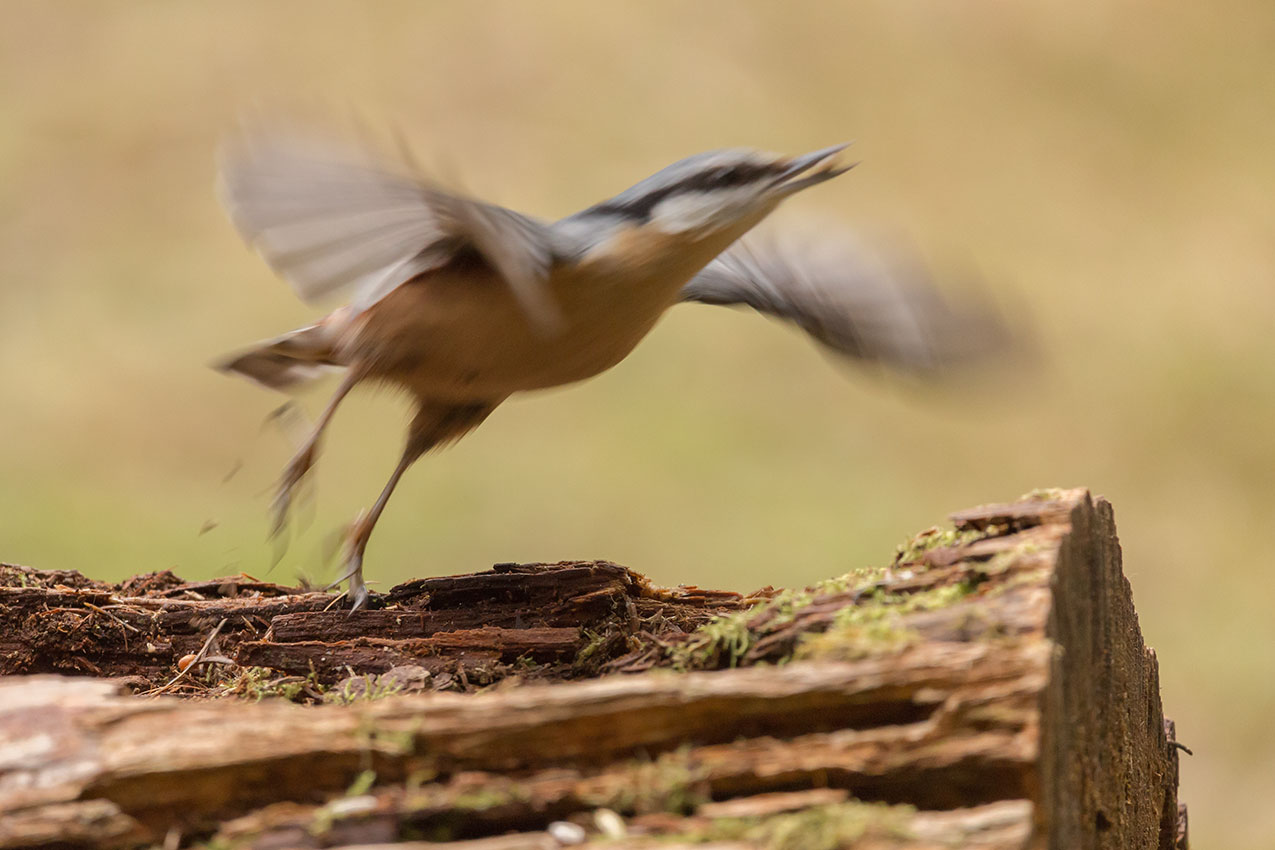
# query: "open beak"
790 179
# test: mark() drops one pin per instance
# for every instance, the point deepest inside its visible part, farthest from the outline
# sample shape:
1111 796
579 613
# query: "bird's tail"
287 361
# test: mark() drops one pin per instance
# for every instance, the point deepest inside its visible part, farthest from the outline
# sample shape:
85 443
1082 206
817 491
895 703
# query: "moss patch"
363 689
878 625
721 642
817 828
672 782
258 683
1044 494
869 619
725 640
914 550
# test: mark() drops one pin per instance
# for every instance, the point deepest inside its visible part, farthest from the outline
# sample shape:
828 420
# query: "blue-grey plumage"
463 303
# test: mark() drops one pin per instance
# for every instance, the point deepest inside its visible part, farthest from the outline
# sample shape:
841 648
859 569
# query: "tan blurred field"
1109 166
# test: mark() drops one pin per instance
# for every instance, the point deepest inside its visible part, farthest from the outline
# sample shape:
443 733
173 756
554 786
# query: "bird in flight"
461 303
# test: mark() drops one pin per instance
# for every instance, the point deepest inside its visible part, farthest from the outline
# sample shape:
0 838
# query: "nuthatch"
463 303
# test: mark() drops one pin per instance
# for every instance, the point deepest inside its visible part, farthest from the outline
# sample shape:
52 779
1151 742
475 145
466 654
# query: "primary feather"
852 302
346 221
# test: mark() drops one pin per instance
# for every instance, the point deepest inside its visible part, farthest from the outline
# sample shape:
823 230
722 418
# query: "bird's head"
720 193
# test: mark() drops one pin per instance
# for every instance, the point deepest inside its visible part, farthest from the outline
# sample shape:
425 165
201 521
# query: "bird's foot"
356 542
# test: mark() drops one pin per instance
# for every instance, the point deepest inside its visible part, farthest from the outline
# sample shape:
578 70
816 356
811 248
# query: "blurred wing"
853 303
334 220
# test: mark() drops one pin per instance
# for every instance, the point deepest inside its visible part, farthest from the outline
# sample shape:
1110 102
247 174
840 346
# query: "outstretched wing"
349 221
853 303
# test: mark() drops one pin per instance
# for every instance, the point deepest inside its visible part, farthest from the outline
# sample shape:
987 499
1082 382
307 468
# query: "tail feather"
287 361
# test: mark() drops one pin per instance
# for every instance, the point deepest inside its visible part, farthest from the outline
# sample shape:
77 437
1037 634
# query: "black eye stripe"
720 177
729 175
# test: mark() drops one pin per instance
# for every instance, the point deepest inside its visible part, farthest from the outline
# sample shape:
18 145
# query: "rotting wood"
989 689
463 629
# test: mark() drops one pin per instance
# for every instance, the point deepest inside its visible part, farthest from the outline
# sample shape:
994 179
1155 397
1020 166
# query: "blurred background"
1106 165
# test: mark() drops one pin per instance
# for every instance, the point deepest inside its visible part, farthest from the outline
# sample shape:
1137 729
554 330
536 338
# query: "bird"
461 303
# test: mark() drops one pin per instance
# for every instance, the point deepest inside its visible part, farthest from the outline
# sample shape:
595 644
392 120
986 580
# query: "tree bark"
988 689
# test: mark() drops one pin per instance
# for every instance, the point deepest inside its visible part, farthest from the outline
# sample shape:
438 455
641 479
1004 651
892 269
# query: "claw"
356 542
354 567
357 591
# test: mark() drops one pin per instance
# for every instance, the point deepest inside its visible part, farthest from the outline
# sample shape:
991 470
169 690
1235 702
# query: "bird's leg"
361 530
432 425
303 461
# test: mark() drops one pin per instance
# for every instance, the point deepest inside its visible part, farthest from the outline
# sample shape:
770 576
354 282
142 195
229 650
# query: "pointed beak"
790 179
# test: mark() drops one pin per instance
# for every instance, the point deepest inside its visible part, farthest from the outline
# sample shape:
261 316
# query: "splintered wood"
987 689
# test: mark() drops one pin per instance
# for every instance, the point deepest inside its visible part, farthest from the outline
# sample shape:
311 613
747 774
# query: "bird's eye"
726 175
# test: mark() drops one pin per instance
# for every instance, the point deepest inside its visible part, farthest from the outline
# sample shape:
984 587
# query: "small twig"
199 656
116 604
131 628
150 603
75 612
84 618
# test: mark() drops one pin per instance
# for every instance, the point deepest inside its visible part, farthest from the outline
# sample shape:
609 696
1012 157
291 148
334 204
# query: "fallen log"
988 688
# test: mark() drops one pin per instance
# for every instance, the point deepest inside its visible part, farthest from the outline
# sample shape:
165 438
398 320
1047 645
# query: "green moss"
361 784
398 741
258 683
363 689
526 664
215 843
877 624
854 580
448 807
321 821
1044 494
817 828
421 775
490 797
913 551
1002 561
594 644
871 623
673 782
725 638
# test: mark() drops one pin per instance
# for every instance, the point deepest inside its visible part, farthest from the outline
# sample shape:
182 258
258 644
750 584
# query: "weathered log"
465 630
988 689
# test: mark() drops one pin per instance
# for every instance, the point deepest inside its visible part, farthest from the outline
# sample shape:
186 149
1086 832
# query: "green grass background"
1106 164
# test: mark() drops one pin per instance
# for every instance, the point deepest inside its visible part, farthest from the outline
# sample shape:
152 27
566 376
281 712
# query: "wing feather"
853 302
337 220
